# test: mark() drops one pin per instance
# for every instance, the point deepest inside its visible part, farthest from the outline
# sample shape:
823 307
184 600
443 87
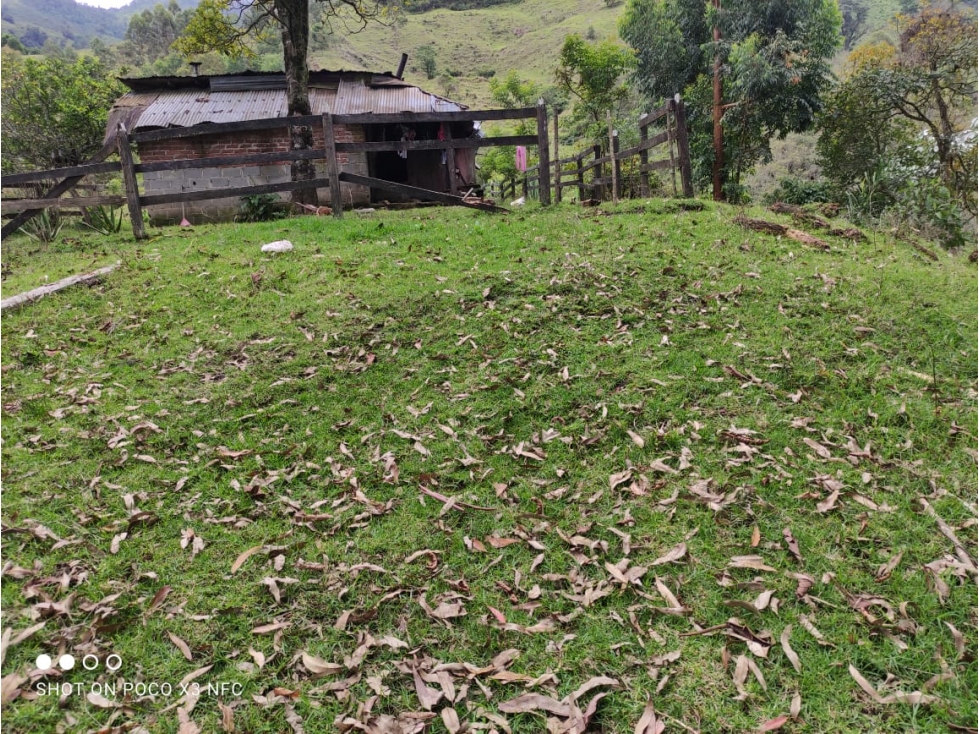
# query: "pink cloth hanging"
521 158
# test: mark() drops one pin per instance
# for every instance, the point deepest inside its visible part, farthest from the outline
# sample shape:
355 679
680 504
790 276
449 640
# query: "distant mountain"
67 20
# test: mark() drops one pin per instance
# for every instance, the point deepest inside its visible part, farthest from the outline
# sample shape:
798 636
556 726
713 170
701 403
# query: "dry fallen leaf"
648 723
318 666
181 645
244 557
789 652
774 724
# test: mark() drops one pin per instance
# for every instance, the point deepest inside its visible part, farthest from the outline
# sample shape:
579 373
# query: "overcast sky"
105 3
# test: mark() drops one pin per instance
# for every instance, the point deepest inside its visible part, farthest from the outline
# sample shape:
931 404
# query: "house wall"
262 141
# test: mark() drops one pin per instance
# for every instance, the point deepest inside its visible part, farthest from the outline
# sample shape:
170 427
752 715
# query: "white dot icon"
66 662
43 662
90 662
113 662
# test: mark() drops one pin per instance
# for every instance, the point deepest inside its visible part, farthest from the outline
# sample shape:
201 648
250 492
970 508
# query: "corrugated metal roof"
186 107
191 107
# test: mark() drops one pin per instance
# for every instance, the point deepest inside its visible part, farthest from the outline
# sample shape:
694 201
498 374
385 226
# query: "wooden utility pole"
718 133
544 164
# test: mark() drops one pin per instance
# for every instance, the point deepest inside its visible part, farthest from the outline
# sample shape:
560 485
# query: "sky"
105 3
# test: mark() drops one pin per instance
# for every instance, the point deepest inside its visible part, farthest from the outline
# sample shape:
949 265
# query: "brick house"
185 101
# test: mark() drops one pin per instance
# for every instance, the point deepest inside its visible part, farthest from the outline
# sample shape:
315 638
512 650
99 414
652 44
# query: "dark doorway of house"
387 165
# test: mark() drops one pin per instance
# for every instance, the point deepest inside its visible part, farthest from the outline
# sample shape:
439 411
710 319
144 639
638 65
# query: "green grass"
445 340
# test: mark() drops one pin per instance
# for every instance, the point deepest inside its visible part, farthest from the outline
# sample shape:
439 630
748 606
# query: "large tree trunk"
294 16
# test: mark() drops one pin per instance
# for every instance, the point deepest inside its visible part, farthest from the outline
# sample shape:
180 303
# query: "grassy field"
444 469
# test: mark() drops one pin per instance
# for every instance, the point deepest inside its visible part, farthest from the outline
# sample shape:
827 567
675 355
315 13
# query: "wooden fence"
570 172
135 201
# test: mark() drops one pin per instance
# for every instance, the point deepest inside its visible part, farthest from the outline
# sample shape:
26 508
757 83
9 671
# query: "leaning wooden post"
132 186
543 152
557 161
643 161
683 146
580 175
333 166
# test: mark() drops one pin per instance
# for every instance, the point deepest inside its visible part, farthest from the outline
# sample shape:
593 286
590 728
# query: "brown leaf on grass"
959 640
9 640
427 695
774 724
244 556
820 450
502 542
535 702
636 438
265 629
227 718
829 503
445 610
674 554
181 645
185 724
648 723
258 657
661 466
740 677
795 708
755 536
916 698
806 582
226 453
787 649
792 544
318 666
193 675
116 542
754 562
10 687
809 627
158 598
451 720
616 479
885 571
100 701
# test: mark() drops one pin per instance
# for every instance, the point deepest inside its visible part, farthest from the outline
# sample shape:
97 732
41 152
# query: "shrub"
259 208
799 191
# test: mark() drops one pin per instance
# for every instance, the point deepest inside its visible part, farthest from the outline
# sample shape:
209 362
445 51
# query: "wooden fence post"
557 161
132 186
597 188
643 162
543 153
580 175
332 165
616 167
683 146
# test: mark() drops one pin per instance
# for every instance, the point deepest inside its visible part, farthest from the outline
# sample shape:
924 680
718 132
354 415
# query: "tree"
901 116
854 14
54 113
426 57
228 26
773 60
592 73
151 33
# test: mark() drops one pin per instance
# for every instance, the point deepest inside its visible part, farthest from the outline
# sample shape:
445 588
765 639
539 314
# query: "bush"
800 191
259 208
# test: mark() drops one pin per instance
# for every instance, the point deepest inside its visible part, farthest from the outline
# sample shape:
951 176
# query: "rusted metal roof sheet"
190 107
187 107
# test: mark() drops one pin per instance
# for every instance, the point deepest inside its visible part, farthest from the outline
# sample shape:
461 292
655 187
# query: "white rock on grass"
277 246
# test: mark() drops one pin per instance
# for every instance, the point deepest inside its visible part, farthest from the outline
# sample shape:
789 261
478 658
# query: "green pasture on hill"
438 470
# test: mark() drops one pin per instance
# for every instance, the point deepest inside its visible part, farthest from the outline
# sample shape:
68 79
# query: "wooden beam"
408 118
206 194
450 161
425 194
16 179
379 146
220 128
333 166
33 295
653 116
230 160
656 166
643 159
8 206
543 154
17 222
132 186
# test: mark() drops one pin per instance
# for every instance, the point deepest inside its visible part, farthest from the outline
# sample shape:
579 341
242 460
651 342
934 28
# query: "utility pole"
718 133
